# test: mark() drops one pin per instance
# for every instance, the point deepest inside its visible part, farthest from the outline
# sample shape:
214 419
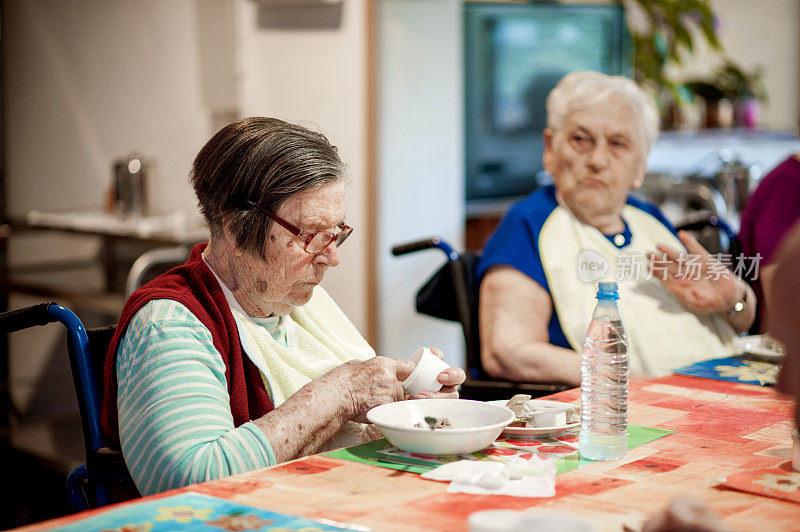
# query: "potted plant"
662 37
744 88
717 108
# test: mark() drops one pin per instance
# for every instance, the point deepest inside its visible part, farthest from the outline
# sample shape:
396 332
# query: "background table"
723 428
83 260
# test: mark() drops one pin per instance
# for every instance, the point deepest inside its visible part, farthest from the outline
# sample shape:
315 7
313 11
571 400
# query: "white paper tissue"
514 476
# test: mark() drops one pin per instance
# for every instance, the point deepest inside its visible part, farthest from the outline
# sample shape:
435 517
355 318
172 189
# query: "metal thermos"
130 191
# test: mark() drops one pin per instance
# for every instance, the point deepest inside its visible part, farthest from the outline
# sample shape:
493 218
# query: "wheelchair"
452 294
103 478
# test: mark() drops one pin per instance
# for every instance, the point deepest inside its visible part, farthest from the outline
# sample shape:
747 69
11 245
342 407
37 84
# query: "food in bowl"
474 425
434 423
537 413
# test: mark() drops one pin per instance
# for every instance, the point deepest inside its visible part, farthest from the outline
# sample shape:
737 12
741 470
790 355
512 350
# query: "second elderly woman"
539 269
238 359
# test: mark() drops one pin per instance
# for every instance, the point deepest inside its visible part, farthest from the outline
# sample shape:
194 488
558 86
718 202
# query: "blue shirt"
516 243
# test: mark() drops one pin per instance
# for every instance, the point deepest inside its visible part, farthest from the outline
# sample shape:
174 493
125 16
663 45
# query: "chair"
713 233
152 263
104 475
451 294
687 194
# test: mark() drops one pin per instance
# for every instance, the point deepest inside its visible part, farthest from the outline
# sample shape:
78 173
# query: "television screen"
514 55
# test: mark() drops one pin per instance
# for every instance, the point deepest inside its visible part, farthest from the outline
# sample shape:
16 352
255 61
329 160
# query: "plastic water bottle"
604 381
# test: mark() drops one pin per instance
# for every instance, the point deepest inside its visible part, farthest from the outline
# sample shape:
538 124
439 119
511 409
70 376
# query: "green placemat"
637 436
367 453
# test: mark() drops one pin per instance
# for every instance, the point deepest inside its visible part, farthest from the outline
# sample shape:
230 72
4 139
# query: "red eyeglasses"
313 242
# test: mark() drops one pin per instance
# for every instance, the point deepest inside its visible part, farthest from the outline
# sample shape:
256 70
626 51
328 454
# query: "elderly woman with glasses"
238 359
539 270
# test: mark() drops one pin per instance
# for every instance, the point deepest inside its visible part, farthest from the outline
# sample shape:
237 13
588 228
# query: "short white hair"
581 90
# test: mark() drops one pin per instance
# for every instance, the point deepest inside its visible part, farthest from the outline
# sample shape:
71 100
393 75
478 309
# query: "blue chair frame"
103 466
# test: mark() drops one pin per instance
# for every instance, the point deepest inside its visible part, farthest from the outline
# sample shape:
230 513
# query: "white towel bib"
319 337
323 336
662 333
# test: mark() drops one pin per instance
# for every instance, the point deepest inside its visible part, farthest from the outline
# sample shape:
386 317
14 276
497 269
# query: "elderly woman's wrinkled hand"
372 382
701 282
450 378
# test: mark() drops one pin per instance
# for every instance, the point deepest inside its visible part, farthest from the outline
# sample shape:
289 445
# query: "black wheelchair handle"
419 245
22 318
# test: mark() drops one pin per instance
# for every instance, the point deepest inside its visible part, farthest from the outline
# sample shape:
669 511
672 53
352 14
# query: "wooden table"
723 428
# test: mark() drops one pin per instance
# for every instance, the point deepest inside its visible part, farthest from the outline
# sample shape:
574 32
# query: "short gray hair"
581 90
261 160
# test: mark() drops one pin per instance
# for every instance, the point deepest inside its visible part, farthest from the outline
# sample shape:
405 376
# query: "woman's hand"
314 413
702 283
450 378
369 383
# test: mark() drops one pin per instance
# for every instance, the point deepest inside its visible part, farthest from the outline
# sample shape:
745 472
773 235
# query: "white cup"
425 376
524 521
554 521
493 520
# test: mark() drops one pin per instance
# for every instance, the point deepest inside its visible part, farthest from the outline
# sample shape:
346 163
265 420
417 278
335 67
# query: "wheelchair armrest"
490 390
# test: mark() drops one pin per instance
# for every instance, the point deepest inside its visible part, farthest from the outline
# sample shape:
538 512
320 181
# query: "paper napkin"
517 477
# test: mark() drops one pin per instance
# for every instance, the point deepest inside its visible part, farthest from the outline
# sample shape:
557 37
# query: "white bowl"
475 425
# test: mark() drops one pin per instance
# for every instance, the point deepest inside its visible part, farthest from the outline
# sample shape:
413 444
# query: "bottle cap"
607 290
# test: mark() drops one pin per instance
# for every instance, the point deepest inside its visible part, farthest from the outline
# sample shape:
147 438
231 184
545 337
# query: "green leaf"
711 35
660 44
676 27
683 94
682 36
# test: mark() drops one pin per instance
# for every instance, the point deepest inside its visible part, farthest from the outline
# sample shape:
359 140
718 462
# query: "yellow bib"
319 337
663 334
324 339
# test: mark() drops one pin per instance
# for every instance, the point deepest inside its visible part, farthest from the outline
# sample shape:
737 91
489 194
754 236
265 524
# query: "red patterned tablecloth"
723 428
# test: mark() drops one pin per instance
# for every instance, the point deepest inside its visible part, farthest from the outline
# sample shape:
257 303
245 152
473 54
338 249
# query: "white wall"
319 76
766 33
85 82
90 80
762 32
316 77
421 187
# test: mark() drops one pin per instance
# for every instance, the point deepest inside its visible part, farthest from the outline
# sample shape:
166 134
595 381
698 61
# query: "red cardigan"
194 286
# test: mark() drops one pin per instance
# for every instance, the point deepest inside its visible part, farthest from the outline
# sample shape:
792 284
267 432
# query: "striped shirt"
175 421
274 326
